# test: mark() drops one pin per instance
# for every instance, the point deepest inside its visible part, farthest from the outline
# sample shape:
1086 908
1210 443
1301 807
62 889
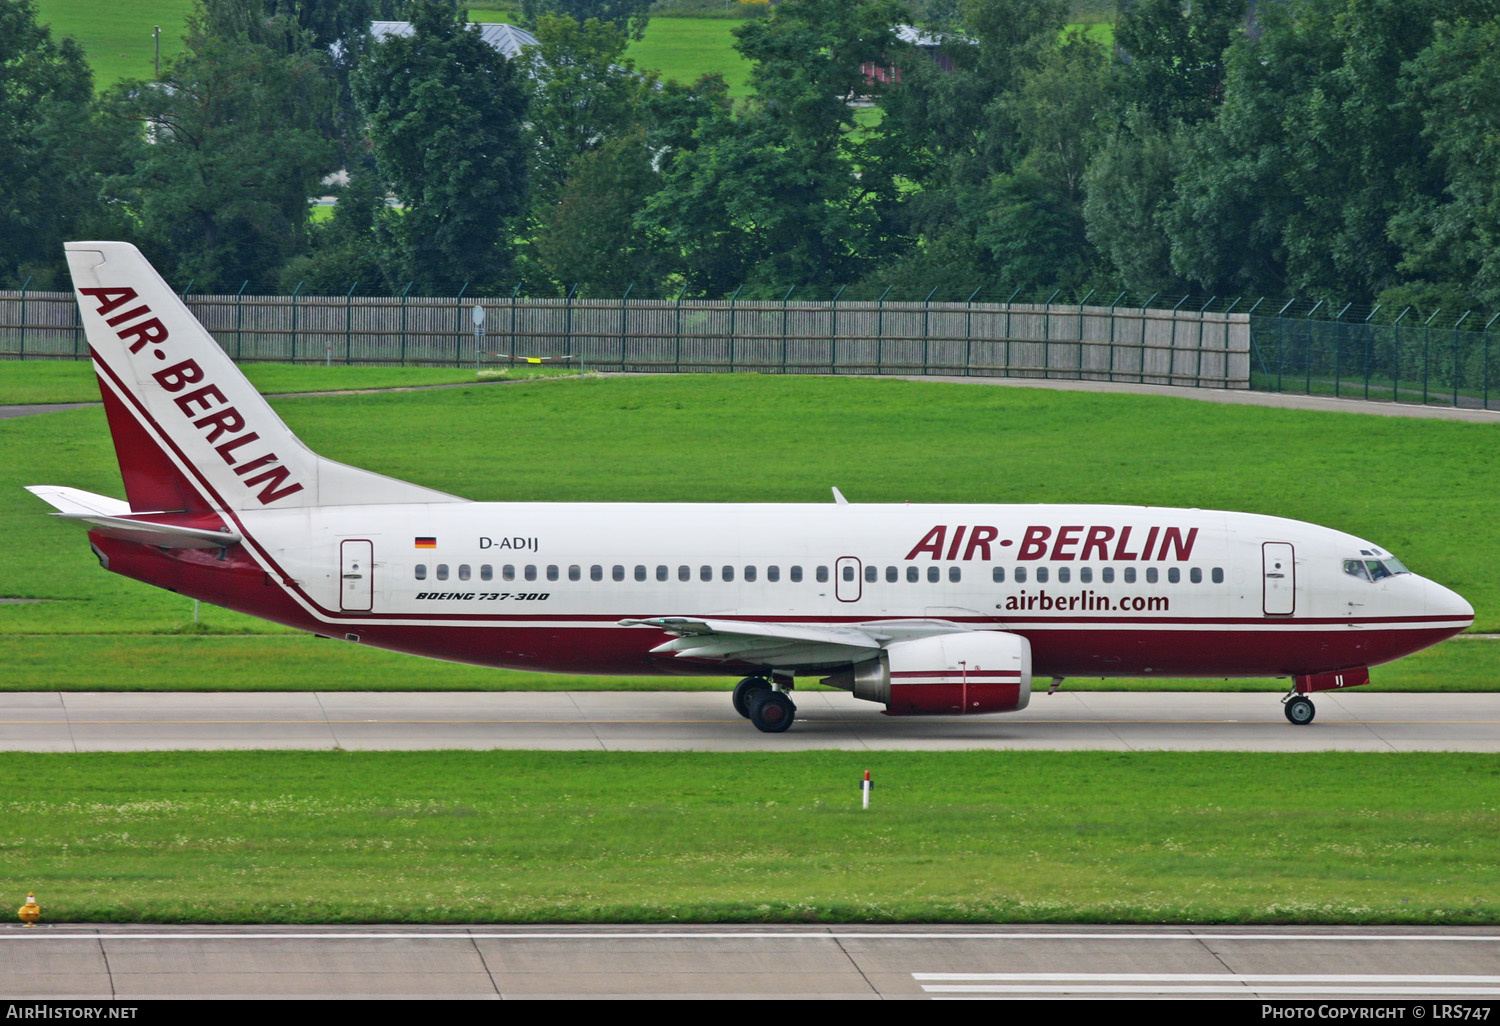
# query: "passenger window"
1150 575
773 574
575 572
848 573
684 573
1218 575
1174 575
1107 575
749 573
892 574
872 574
728 573
1064 575
822 575
442 571
913 575
421 571
705 573
531 571
617 572
596 573
998 574
1130 575
640 572
1085 575
1020 575
1196 575
508 572
955 574
487 573
463 571
552 573
1041 575
796 575
661 572
933 575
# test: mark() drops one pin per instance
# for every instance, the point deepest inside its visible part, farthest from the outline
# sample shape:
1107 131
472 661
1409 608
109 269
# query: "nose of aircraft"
1446 603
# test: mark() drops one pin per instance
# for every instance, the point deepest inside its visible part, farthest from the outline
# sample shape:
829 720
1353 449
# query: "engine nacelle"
946 675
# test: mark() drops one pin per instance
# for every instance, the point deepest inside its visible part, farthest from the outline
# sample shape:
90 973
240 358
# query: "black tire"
1300 711
772 712
744 689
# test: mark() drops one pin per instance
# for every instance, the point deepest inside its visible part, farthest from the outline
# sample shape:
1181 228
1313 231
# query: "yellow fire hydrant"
31 911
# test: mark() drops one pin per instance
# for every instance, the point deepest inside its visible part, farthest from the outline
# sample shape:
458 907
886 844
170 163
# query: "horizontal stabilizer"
115 517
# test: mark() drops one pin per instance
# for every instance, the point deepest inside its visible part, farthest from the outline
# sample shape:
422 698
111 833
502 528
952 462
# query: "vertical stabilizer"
190 431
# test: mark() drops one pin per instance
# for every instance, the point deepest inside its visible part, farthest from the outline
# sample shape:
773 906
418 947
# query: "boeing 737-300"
926 609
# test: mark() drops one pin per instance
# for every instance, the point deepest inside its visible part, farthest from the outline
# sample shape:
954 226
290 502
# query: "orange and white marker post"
865 790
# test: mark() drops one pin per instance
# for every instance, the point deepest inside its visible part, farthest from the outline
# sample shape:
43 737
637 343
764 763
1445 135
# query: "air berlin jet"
926 609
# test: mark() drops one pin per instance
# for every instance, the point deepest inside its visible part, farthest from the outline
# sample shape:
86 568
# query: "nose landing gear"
1298 708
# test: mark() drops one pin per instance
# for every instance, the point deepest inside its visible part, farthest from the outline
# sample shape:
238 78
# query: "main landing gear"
770 710
1298 708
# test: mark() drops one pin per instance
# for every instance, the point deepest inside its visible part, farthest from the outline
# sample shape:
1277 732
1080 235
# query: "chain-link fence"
1436 359
1199 348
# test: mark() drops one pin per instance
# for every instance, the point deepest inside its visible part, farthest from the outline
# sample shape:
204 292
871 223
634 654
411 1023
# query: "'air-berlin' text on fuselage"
222 425
1072 542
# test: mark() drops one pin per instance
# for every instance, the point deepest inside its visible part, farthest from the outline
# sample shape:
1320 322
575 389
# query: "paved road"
127 963
704 721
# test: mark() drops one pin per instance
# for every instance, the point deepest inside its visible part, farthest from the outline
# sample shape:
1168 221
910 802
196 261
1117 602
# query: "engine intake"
946 675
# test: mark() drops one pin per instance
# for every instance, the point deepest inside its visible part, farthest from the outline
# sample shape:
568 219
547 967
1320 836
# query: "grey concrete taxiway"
1452 966
704 721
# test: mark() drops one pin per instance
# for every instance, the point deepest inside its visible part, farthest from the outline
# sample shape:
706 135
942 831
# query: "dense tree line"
1338 149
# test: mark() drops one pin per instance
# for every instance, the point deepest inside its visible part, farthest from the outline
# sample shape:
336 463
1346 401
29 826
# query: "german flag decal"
426 543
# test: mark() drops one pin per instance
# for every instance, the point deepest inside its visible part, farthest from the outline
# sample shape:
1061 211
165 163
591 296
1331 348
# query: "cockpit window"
1374 569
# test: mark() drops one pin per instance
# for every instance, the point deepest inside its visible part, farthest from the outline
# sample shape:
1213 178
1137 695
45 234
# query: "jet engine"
945 675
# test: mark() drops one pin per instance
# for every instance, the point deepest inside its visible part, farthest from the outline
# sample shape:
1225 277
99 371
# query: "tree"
1128 189
235 142
46 93
444 111
1174 56
583 93
625 15
788 190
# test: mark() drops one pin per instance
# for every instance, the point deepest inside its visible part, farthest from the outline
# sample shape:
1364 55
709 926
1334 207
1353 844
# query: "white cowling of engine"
946 675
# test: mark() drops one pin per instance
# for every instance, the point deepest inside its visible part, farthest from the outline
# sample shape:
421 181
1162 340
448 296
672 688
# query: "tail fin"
190 432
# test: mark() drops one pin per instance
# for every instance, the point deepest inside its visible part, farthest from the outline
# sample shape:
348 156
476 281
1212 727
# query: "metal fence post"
1008 303
403 321
568 320
349 324
1338 350
459 332
677 332
733 338
1081 303
833 332
1369 346
1281 341
1198 374
926 332
1487 359
295 292
22 350
1112 306
969 333
1427 352
880 330
1047 334
239 319
1455 354
1141 377
1396 355
624 314
1307 351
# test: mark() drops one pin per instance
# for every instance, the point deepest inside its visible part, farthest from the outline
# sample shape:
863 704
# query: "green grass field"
666 439
474 837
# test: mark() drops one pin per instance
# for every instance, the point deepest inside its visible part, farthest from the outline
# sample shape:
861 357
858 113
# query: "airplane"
926 609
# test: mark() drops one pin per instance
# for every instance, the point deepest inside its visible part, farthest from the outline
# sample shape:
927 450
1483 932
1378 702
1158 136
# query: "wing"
786 646
117 521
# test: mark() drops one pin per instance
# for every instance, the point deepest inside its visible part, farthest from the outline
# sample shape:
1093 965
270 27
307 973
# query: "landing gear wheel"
1299 710
743 692
771 711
